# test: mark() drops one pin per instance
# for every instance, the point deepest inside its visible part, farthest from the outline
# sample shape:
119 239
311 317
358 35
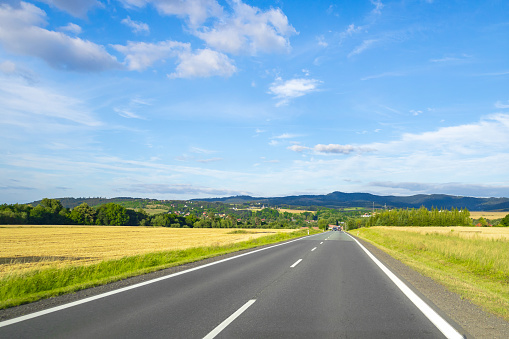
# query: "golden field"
460 231
282 210
487 215
25 248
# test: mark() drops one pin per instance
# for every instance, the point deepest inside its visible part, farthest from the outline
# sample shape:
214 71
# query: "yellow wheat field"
487 215
25 248
463 232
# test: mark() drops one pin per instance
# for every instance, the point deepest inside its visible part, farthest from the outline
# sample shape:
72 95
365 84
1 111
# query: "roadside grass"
475 267
17 289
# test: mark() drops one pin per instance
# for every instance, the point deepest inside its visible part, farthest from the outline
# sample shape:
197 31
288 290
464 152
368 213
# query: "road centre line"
321 243
313 249
229 320
439 322
296 263
127 288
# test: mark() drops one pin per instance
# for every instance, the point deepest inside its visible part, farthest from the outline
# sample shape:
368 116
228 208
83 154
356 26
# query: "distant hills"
340 199
335 200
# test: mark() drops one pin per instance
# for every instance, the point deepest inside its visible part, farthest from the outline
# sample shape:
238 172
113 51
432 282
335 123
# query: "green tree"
112 214
505 221
83 214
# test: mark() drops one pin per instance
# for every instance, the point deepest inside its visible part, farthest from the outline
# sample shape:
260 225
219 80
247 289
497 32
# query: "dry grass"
26 248
487 215
471 261
462 232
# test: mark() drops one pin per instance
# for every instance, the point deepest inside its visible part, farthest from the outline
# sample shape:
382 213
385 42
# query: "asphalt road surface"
322 286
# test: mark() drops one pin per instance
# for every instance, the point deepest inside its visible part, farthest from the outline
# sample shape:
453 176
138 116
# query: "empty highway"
321 286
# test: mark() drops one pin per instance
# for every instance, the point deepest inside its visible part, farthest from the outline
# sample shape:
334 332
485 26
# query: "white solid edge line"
229 320
120 290
434 317
296 263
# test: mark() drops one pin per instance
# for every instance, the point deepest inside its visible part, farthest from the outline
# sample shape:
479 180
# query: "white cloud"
203 63
20 34
141 55
77 8
329 149
136 26
195 11
294 88
286 136
71 28
298 148
334 149
250 30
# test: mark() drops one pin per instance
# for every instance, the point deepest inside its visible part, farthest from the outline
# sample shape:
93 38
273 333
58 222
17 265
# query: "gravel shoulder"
471 318
475 321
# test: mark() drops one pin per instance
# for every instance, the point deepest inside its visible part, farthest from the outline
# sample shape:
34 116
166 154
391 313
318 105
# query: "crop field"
28 248
282 210
487 215
471 261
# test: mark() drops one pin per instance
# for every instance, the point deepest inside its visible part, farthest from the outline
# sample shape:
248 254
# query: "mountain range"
335 200
367 200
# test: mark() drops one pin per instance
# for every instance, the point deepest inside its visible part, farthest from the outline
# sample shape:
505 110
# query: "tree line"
52 212
414 217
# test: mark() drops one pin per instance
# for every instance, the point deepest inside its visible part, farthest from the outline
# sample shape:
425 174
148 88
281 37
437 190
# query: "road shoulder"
478 323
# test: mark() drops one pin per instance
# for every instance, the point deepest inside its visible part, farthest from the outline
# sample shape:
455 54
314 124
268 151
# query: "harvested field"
282 210
487 215
26 248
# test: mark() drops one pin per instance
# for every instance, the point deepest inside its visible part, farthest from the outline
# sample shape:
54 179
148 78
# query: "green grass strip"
475 268
25 288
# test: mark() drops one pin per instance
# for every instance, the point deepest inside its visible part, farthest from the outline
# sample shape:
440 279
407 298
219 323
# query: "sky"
182 99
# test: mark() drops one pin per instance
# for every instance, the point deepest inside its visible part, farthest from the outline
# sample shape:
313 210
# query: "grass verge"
475 268
25 288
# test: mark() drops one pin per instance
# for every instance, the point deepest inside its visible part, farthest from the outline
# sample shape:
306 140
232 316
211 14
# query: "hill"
367 200
333 200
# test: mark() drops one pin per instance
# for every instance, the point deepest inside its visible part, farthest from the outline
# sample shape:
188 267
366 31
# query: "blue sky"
179 99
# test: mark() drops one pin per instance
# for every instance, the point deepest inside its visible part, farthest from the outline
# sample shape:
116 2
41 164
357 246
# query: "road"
322 286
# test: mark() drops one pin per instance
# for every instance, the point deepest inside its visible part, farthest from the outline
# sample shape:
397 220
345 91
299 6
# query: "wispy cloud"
180 189
136 26
501 105
382 75
287 90
201 150
329 149
366 44
205 161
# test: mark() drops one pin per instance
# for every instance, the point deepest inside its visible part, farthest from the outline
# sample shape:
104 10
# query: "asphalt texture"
335 291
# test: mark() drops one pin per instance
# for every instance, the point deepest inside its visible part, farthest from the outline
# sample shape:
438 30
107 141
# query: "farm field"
27 248
471 261
487 214
282 210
